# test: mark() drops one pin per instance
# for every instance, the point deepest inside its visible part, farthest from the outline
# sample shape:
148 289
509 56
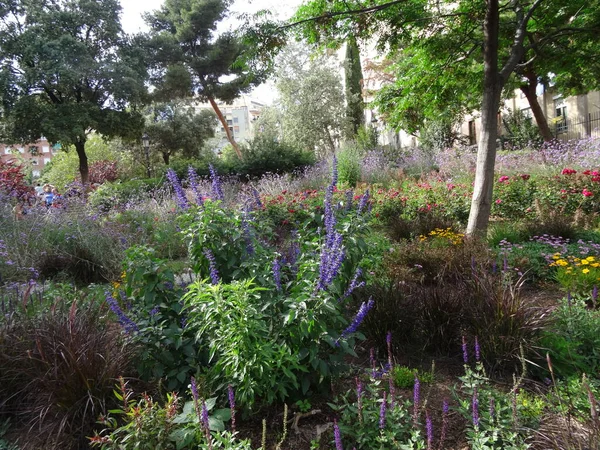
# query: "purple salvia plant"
217 189
231 395
360 316
477 350
349 198
334 172
196 399
337 436
388 341
257 202
373 362
364 200
475 410
465 352
180 196
206 424
445 409
354 284
429 431
277 273
212 263
129 325
383 411
359 402
416 400
193 180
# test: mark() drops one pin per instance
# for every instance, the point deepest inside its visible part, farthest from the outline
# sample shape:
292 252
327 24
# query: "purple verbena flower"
180 196
212 262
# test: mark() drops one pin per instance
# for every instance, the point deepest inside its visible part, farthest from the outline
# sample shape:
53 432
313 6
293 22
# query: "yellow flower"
585 262
590 258
595 264
586 270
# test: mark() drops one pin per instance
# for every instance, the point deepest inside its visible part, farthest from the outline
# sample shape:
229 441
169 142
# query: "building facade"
35 156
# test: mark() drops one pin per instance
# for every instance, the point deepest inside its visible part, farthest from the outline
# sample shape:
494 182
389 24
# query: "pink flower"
567 171
587 193
503 179
498 201
525 176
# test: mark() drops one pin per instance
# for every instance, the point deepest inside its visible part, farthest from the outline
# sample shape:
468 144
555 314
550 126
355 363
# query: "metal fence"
578 127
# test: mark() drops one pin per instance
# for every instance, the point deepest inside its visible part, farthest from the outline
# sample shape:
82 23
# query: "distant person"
48 195
56 198
39 190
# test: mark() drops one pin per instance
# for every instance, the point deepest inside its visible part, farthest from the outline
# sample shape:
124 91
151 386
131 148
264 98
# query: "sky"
132 22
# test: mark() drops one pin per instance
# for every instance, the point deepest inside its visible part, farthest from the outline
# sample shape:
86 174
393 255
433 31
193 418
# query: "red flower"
567 171
503 179
587 172
596 179
587 193
525 176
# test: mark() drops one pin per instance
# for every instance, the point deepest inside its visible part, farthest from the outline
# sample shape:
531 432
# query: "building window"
35 173
21 149
229 122
235 120
45 149
34 150
34 162
236 129
7 150
472 133
46 160
561 116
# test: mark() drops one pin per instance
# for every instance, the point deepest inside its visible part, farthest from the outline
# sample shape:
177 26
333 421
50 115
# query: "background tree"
191 59
66 68
178 128
486 34
311 100
353 83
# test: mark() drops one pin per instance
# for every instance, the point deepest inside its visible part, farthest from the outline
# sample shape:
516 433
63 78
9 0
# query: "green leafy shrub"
514 197
404 377
264 155
113 195
349 160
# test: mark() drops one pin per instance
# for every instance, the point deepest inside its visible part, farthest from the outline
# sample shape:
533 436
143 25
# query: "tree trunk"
481 203
83 161
166 156
225 126
529 90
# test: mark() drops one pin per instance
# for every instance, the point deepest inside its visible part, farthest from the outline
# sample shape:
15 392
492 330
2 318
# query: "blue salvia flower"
277 273
257 201
334 172
216 184
465 351
247 233
231 395
205 419
358 319
154 311
349 198
337 436
382 411
331 261
354 284
475 412
196 399
363 202
416 399
212 262
477 350
429 430
180 196
193 179
128 324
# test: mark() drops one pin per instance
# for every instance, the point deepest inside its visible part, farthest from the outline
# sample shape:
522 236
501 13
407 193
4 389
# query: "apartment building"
570 118
36 155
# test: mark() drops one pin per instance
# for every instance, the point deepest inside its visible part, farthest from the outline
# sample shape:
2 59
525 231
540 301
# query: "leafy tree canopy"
66 68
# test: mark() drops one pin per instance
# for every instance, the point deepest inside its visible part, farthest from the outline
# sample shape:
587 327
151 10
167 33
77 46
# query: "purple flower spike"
354 284
337 436
416 399
492 408
205 420
465 351
231 395
363 202
382 411
334 172
180 196
216 184
360 316
388 340
475 410
594 295
257 201
195 397
429 430
373 362
129 325
277 273
477 350
212 262
193 180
